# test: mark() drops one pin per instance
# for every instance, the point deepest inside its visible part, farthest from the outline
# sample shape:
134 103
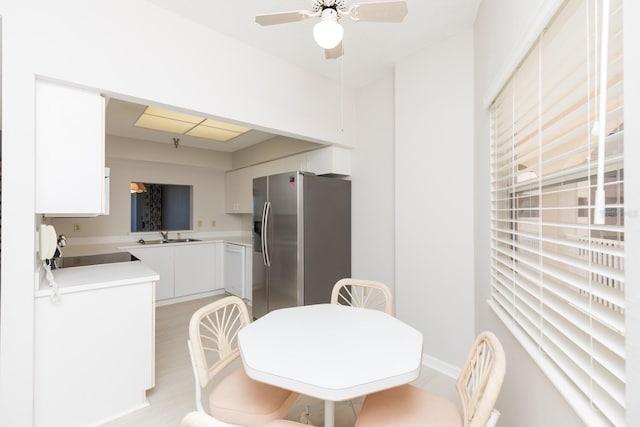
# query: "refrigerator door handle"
263 235
266 235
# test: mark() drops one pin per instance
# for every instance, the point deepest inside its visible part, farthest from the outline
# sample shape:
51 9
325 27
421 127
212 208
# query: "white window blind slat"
561 272
553 372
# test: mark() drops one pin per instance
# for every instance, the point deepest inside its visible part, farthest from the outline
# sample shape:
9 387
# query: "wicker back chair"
363 293
478 386
235 399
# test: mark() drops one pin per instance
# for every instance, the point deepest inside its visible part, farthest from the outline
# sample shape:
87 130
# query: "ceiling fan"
328 32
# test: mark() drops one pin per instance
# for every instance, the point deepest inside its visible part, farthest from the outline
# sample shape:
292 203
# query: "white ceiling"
371 49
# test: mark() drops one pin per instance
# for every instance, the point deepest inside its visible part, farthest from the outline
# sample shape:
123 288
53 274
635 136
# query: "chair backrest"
213 336
481 378
362 293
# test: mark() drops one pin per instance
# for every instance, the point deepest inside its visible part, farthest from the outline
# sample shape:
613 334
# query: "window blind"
557 276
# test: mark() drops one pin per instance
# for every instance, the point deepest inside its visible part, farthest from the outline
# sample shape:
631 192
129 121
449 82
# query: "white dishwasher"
234 269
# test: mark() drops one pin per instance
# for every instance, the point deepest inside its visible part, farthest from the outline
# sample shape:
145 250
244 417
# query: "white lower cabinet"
184 270
194 269
94 353
160 260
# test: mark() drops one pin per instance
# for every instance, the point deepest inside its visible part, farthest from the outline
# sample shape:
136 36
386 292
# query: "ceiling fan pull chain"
342 93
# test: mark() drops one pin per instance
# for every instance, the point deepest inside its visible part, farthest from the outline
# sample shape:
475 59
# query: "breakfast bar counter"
94 344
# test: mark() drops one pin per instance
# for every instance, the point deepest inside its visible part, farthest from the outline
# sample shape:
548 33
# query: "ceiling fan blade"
379 11
335 52
282 17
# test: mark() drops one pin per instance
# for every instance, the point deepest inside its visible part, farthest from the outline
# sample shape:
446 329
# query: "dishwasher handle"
229 247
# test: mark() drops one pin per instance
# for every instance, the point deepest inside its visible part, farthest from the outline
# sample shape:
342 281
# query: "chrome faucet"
165 235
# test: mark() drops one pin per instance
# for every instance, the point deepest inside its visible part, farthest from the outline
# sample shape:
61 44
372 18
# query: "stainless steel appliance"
79 261
301 239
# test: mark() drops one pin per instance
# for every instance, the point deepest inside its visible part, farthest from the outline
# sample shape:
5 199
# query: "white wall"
502 30
434 196
372 185
134 51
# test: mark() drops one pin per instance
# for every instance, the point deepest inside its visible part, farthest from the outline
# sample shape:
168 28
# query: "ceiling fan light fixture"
328 32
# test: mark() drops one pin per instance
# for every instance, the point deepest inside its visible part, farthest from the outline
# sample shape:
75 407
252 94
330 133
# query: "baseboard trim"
134 408
440 366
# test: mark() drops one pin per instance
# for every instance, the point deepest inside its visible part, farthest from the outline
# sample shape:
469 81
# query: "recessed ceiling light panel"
162 123
175 115
212 133
186 124
228 126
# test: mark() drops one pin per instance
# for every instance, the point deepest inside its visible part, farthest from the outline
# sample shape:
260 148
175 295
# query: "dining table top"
330 351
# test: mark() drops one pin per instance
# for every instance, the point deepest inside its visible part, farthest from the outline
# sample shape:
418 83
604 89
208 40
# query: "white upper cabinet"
239 188
239 182
70 167
329 160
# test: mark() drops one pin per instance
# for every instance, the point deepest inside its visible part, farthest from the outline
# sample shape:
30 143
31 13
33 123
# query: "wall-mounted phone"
47 242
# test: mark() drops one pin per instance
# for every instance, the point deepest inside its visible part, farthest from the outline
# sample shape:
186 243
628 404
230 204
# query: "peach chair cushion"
408 406
199 419
238 399
284 423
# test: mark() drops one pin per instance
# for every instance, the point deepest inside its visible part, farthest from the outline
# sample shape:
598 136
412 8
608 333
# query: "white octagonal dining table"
331 352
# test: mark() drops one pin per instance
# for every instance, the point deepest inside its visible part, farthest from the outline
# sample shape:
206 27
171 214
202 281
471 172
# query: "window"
558 270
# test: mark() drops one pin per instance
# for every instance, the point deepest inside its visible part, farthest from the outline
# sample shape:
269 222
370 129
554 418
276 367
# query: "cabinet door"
238 188
159 259
295 162
94 355
234 269
70 172
194 269
330 160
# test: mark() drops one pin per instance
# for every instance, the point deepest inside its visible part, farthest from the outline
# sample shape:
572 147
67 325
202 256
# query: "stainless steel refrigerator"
301 239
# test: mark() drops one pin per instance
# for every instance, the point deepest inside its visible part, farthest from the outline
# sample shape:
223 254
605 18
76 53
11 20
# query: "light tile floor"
173 395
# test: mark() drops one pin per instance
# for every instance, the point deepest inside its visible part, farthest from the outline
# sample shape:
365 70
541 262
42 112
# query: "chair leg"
304 416
353 409
493 419
198 390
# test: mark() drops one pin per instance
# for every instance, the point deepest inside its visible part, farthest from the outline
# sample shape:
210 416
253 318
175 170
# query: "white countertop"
95 248
90 277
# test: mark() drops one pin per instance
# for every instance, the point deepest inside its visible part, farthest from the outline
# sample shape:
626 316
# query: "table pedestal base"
329 413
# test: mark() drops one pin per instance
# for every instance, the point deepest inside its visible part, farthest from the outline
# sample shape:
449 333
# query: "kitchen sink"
158 242
152 242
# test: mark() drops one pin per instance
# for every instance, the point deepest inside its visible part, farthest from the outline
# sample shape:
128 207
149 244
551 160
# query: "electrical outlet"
213 222
199 223
76 227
